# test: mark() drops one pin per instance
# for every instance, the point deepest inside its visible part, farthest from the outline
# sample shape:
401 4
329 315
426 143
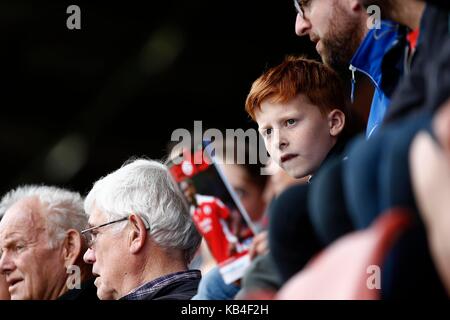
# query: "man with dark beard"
346 37
367 193
336 31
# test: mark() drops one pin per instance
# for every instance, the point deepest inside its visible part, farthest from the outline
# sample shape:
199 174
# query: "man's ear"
138 233
355 5
71 247
336 122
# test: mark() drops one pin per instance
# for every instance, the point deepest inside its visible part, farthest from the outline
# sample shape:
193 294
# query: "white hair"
145 187
64 208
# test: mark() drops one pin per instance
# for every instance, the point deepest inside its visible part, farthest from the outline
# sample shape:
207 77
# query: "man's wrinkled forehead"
97 217
23 216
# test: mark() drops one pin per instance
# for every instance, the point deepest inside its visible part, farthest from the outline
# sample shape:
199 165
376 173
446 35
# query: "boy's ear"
336 122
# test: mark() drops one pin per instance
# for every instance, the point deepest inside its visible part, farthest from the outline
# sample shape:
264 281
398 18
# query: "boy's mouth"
288 157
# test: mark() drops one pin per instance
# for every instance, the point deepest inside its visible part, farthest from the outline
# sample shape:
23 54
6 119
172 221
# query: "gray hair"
64 208
145 187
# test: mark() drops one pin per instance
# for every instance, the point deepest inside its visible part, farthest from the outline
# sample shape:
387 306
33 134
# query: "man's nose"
6 263
89 256
302 26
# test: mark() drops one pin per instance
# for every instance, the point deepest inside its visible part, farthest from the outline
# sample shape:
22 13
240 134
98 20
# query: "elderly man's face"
33 270
336 31
107 255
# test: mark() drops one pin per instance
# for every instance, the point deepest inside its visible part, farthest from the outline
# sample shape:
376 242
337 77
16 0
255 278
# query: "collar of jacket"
368 59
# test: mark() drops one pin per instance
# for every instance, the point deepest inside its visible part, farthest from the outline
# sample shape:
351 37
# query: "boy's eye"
268 132
291 122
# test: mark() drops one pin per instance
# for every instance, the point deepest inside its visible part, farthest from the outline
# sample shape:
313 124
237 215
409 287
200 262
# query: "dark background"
76 104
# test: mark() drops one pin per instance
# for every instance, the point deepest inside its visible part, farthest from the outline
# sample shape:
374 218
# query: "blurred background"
75 104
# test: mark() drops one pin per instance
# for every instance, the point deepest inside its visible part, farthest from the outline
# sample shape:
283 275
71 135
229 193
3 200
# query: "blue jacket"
370 59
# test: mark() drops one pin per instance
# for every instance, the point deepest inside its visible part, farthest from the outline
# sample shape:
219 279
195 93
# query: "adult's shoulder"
181 289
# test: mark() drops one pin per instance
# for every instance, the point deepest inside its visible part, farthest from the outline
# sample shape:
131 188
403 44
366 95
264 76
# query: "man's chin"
328 59
103 293
17 294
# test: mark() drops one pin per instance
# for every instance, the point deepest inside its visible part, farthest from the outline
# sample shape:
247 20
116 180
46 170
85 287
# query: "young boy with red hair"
301 113
300 109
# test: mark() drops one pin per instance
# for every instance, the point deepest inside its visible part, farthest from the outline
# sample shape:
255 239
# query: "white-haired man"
4 293
141 235
41 245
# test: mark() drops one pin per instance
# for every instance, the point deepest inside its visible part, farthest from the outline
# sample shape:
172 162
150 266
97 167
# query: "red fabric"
190 166
207 216
343 270
412 38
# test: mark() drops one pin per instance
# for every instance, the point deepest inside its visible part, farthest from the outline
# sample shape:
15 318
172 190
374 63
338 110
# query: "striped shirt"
152 286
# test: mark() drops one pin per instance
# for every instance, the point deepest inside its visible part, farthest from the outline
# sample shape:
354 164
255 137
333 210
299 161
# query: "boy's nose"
282 145
281 140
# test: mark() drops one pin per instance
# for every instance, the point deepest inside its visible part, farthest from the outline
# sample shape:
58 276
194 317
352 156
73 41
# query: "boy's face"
297 136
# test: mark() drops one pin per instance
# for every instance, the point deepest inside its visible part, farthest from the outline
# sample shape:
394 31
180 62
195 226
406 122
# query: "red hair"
298 75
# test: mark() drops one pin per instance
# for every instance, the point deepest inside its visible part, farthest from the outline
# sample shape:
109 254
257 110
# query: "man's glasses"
90 236
300 7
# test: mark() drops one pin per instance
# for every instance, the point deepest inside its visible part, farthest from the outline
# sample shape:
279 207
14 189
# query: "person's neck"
85 274
57 290
410 15
151 268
